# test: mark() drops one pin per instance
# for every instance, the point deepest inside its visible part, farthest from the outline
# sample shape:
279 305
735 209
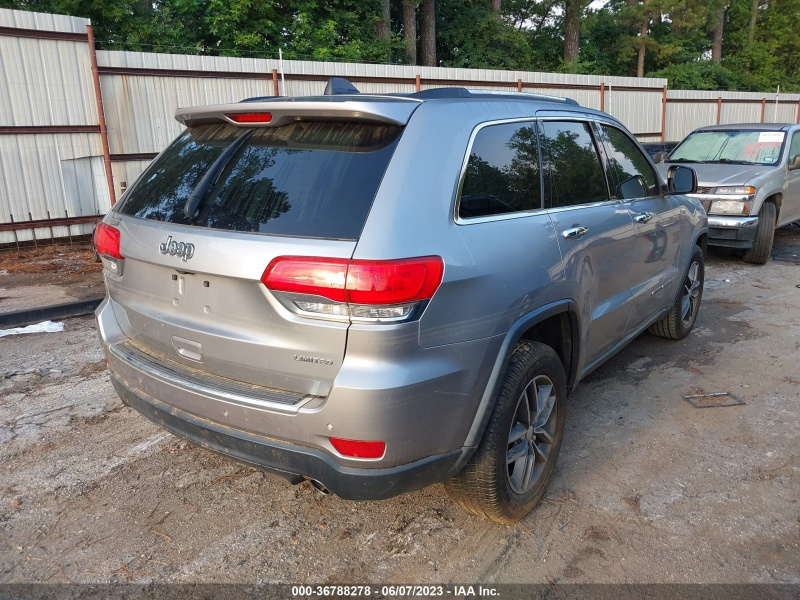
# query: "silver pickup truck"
748 181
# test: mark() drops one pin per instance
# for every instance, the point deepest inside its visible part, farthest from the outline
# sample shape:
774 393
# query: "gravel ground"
648 488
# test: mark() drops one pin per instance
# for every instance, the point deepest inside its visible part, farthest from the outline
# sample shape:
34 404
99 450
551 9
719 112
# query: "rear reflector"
367 282
106 241
250 117
358 449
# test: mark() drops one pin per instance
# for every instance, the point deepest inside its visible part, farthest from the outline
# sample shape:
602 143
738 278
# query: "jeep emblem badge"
173 248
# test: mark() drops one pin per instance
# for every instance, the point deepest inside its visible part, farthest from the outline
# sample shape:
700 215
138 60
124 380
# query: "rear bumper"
291 461
420 401
732 232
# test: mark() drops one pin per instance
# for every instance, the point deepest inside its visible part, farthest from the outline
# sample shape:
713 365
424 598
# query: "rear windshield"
308 179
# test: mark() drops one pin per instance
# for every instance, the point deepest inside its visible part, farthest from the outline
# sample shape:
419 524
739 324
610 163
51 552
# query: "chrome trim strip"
732 221
121 352
712 197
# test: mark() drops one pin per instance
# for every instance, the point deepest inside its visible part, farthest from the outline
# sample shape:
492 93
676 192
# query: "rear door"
656 217
190 291
595 233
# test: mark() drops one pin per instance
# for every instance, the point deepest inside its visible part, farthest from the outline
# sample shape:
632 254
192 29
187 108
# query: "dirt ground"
648 489
34 277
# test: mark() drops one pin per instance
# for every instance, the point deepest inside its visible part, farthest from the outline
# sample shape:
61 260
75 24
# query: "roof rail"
341 86
461 92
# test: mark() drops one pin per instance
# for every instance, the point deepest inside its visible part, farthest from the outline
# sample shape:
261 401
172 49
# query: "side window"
575 173
502 174
794 148
630 173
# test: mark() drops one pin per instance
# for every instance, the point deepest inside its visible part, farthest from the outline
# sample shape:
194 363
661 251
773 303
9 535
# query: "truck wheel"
762 246
514 461
679 321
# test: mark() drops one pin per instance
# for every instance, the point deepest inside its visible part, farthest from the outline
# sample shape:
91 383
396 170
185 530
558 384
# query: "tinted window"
502 174
794 148
625 163
576 176
306 179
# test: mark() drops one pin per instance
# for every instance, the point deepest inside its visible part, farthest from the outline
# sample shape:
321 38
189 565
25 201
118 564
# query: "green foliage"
469 35
526 35
699 75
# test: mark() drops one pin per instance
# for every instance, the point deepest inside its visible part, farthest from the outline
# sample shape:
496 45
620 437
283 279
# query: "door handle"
643 217
574 232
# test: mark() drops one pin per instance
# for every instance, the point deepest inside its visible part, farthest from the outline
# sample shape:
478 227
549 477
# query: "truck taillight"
107 246
359 289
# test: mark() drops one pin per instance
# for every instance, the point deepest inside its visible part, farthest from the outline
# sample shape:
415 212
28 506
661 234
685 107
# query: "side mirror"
681 180
659 157
633 187
794 163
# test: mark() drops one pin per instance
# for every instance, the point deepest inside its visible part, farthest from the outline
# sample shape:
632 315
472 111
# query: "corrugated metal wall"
687 110
55 167
47 84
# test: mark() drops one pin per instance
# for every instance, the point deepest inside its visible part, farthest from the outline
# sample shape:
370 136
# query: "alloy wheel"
690 298
532 433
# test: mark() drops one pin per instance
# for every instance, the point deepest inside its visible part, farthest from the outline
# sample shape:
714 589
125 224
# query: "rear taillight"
106 244
358 448
359 289
250 117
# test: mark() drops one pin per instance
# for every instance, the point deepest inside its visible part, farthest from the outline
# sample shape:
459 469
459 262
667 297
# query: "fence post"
101 115
275 89
519 85
798 111
719 109
603 97
417 83
763 108
664 115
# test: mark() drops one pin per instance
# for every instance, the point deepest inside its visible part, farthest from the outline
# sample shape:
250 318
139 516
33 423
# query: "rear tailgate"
190 289
212 312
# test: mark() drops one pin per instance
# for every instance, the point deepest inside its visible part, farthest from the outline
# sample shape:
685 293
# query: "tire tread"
760 253
475 489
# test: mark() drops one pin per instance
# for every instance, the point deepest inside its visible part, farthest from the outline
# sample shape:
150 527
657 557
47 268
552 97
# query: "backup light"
359 449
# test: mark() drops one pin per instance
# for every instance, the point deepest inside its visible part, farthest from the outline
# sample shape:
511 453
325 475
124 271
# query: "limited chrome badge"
181 249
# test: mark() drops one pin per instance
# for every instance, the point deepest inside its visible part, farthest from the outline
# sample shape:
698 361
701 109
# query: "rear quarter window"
307 179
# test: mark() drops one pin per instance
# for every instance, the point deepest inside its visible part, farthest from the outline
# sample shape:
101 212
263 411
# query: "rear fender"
513 336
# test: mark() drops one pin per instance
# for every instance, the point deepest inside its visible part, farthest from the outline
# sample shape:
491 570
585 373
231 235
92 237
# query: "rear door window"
307 179
575 174
629 171
502 174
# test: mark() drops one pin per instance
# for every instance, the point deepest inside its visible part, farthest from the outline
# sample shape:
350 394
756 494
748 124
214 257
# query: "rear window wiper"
191 208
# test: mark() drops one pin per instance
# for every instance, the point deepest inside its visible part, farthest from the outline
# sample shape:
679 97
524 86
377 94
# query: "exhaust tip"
320 487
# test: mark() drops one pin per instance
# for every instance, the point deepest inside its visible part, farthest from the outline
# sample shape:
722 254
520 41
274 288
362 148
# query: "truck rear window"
307 179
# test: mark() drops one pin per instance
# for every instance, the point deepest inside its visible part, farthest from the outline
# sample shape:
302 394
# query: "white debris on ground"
43 327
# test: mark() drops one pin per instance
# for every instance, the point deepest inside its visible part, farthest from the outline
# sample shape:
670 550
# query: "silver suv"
749 182
378 293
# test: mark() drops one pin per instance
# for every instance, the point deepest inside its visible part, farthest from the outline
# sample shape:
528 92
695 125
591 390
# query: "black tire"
765 233
676 325
486 486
